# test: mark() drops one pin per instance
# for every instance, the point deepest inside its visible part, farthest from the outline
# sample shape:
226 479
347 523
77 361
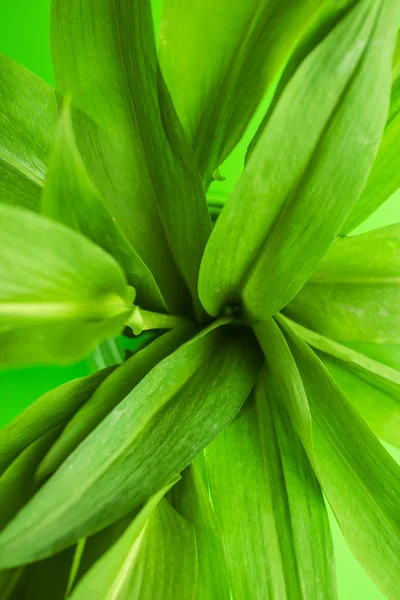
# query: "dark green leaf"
190 498
155 558
104 56
27 116
71 198
297 188
49 412
269 504
354 294
60 294
179 408
110 393
359 478
217 91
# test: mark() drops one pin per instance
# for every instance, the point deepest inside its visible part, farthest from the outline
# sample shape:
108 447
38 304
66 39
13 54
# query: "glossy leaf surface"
104 56
71 198
60 294
297 189
269 504
354 294
145 441
27 116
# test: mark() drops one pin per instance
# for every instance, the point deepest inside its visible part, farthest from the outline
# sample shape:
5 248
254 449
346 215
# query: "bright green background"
24 36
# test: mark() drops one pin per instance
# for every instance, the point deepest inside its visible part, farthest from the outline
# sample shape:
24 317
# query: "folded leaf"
384 178
359 478
216 92
70 197
354 294
371 386
155 558
104 56
27 116
331 114
110 393
153 434
60 294
190 498
51 410
388 354
269 504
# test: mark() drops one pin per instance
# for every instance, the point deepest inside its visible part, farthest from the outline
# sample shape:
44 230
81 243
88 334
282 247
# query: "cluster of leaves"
198 467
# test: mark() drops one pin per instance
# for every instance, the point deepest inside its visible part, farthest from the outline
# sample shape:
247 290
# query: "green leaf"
104 56
179 408
155 558
216 92
384 178
70 197
51 410
16 484
110 393
27 116
359 478
297 189
371 386
388 354
60 294
190 498
354 294
269 504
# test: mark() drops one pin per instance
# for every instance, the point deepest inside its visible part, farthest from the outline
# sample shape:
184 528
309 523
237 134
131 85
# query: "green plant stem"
143 320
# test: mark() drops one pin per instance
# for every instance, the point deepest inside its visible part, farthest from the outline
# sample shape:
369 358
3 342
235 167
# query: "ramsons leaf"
371 386
50 411
216 92
155 558
110 393
359 478
354 294
154 433
27 116
189 496
104 56
297 189
269 504
60 294
71 197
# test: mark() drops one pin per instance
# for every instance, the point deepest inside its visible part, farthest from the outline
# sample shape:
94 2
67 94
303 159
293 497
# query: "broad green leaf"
70 197
175 412
60 294
359 478
27 116
104 56
354 294
371 386
16 483
388 354
155 558
189 497
331 114
217 91
384 178
269 504
51 410
110 393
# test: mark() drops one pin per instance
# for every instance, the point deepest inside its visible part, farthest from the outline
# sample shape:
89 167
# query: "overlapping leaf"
145 441
27 116
269 504
155 558
354 294
59 293
359 478
297 188
104 56
217 91
71 198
